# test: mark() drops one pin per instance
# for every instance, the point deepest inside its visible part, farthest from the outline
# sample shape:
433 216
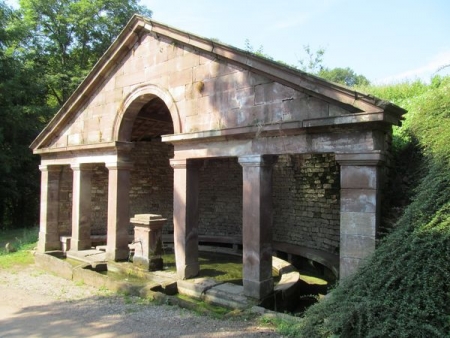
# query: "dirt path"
36 304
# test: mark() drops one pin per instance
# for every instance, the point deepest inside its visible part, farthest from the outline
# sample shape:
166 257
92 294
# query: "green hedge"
403 289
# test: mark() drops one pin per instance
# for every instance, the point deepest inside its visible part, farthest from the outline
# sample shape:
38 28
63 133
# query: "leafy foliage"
313 61
345 76
46 48
23 111
71 35
22 240
402 290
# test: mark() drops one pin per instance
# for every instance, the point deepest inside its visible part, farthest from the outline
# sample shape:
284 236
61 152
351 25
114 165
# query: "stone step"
166 280
218 293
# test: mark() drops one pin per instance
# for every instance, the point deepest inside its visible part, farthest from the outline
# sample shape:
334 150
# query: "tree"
313 61
71 35
259 52
22 112
46 48
345 76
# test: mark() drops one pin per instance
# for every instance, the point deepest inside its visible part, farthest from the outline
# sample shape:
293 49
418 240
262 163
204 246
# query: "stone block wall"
305 195
306 201
209 93
99 192
151 188
152 181
220 198
65 201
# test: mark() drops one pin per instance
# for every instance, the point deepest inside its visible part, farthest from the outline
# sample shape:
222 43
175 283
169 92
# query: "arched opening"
152 121
151 188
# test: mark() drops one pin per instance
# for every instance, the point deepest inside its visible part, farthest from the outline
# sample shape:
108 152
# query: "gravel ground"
36 304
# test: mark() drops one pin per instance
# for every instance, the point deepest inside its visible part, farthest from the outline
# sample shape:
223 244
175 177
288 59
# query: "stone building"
226 144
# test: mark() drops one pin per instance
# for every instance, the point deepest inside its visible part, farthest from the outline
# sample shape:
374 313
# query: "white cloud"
424 72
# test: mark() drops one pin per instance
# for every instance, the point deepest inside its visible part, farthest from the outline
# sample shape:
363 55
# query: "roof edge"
278 72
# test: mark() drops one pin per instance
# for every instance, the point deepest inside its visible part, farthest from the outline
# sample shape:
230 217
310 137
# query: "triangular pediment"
148 53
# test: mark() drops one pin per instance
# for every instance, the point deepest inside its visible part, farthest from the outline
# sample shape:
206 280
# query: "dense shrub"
403 289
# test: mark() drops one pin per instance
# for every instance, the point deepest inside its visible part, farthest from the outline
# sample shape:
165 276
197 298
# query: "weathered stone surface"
358 200
348 266
185 217
50 188
54 264
257 225
229 295
356 246
358 223
118 210
359 177
222 103
81 207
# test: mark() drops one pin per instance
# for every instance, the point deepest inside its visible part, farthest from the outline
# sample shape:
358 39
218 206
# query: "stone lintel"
49 167
119 165
184 163
82 166
360 159
86 147
257 160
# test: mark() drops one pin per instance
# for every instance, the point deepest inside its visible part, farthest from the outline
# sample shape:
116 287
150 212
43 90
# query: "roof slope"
296 79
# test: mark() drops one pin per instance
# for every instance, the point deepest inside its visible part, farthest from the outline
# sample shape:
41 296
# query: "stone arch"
132 104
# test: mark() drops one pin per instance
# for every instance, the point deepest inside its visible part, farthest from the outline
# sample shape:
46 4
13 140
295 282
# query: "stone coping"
219 293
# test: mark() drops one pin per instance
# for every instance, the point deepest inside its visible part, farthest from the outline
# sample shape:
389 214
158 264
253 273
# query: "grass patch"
220 266
286 326
207 309
22 241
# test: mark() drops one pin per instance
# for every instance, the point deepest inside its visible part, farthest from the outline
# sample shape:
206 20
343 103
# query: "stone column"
185 217
118 210
81 207
257 225
48 232
360 208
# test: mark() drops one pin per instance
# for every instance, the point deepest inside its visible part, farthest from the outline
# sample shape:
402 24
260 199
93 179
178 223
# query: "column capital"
82 166
361 159
184 163
119 165
49 167
257 160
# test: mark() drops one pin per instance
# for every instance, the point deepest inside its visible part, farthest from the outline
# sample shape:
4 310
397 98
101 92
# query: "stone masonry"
222 115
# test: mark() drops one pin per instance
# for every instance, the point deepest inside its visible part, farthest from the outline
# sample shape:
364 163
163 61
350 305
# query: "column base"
188 271
348 266
258 289
77 245
117 255
48 242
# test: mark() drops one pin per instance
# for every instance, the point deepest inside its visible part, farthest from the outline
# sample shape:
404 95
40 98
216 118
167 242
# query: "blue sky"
386 41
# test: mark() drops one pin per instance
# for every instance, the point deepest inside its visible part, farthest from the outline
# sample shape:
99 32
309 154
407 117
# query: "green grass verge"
22 241
207 309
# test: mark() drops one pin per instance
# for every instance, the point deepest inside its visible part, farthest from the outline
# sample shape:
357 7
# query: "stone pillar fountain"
148 241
